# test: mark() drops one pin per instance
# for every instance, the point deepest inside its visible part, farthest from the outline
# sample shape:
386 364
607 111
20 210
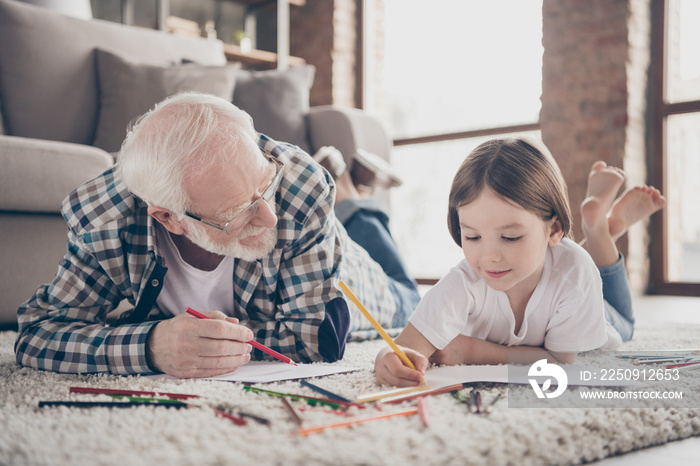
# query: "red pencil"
239 421
113 391
683 364
253 343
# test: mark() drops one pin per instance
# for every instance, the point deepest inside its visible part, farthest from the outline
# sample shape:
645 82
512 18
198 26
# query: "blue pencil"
323 391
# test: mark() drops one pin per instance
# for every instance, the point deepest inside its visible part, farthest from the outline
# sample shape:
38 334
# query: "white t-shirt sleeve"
577 322
443 312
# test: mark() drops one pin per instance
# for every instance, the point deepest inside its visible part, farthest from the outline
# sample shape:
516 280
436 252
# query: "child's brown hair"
519 170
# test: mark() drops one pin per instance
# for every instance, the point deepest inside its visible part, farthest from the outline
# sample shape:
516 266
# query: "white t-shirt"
565 312
187 286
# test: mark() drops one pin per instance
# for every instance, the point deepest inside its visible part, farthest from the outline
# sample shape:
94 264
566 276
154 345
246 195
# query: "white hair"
185 134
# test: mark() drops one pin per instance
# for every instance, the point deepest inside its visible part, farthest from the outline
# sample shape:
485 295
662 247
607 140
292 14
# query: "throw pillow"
127 90
278 101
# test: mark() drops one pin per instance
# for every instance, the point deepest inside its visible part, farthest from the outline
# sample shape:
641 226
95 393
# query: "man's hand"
391 371
185 346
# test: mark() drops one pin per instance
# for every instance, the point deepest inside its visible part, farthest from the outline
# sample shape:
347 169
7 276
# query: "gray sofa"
68 88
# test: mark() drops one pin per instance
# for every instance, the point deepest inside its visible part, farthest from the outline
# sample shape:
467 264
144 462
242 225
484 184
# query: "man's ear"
167 219
556 232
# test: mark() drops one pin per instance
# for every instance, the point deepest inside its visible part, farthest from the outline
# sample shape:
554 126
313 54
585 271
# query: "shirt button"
155 283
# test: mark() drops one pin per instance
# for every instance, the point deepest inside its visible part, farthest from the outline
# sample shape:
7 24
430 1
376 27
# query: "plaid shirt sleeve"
63 326
285 297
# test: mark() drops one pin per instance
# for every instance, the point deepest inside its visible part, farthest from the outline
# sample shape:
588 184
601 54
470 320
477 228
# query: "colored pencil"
235 419
473 406
111 404
685 365
112 391
335 404
479 405
257 419
411 396
350 422
659 353
253 343
323 391
142 399
489 408
295 417
367 397
423 412
376 325
661 360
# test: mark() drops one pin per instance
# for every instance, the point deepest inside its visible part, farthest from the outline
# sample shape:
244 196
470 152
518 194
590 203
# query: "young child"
524 285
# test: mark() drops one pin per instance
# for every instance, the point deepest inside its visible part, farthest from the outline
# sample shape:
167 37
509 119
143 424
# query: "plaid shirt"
289 299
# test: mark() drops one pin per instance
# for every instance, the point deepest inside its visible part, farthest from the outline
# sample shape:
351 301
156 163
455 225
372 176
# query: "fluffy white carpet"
155 435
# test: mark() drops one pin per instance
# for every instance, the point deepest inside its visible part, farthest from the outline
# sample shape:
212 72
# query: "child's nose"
492 253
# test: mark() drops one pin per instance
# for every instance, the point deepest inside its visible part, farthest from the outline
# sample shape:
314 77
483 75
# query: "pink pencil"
423 412
253 343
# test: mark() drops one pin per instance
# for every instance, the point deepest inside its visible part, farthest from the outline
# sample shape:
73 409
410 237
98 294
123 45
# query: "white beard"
198 235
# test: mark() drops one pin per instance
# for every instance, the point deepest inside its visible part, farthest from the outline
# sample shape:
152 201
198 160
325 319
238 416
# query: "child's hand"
391 371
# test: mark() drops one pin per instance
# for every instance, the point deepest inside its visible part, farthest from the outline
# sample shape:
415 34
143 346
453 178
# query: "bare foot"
635 204
603 184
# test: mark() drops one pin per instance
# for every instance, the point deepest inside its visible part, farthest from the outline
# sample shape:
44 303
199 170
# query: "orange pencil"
350 422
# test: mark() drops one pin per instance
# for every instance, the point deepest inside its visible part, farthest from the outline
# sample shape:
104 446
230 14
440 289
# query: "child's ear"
556 231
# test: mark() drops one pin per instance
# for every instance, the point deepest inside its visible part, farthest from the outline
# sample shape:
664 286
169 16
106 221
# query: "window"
676 146
455 73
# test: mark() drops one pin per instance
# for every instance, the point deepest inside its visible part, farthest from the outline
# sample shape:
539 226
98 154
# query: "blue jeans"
367 223
618 298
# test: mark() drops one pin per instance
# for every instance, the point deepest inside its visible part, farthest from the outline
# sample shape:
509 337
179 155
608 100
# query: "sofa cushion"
128 90
278 101
48 86
37 175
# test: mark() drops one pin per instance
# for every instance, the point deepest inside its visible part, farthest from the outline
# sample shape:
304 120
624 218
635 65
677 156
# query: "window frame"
661 109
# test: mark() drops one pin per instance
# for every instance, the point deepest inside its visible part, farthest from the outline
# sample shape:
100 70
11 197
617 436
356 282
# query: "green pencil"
309 399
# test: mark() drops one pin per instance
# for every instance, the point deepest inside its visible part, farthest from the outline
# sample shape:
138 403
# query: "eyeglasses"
242 218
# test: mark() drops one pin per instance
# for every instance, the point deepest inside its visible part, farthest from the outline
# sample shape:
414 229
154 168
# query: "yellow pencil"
376 326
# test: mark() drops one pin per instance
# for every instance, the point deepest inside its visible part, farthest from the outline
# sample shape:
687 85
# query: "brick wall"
594 99
324 33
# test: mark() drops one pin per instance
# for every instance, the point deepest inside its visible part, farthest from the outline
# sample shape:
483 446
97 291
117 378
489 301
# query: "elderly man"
203 212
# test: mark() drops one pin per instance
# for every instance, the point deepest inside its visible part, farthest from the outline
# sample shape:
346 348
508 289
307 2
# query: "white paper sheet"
451 375
272 371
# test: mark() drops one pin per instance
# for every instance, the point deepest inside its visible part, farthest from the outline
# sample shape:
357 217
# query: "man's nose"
265 216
